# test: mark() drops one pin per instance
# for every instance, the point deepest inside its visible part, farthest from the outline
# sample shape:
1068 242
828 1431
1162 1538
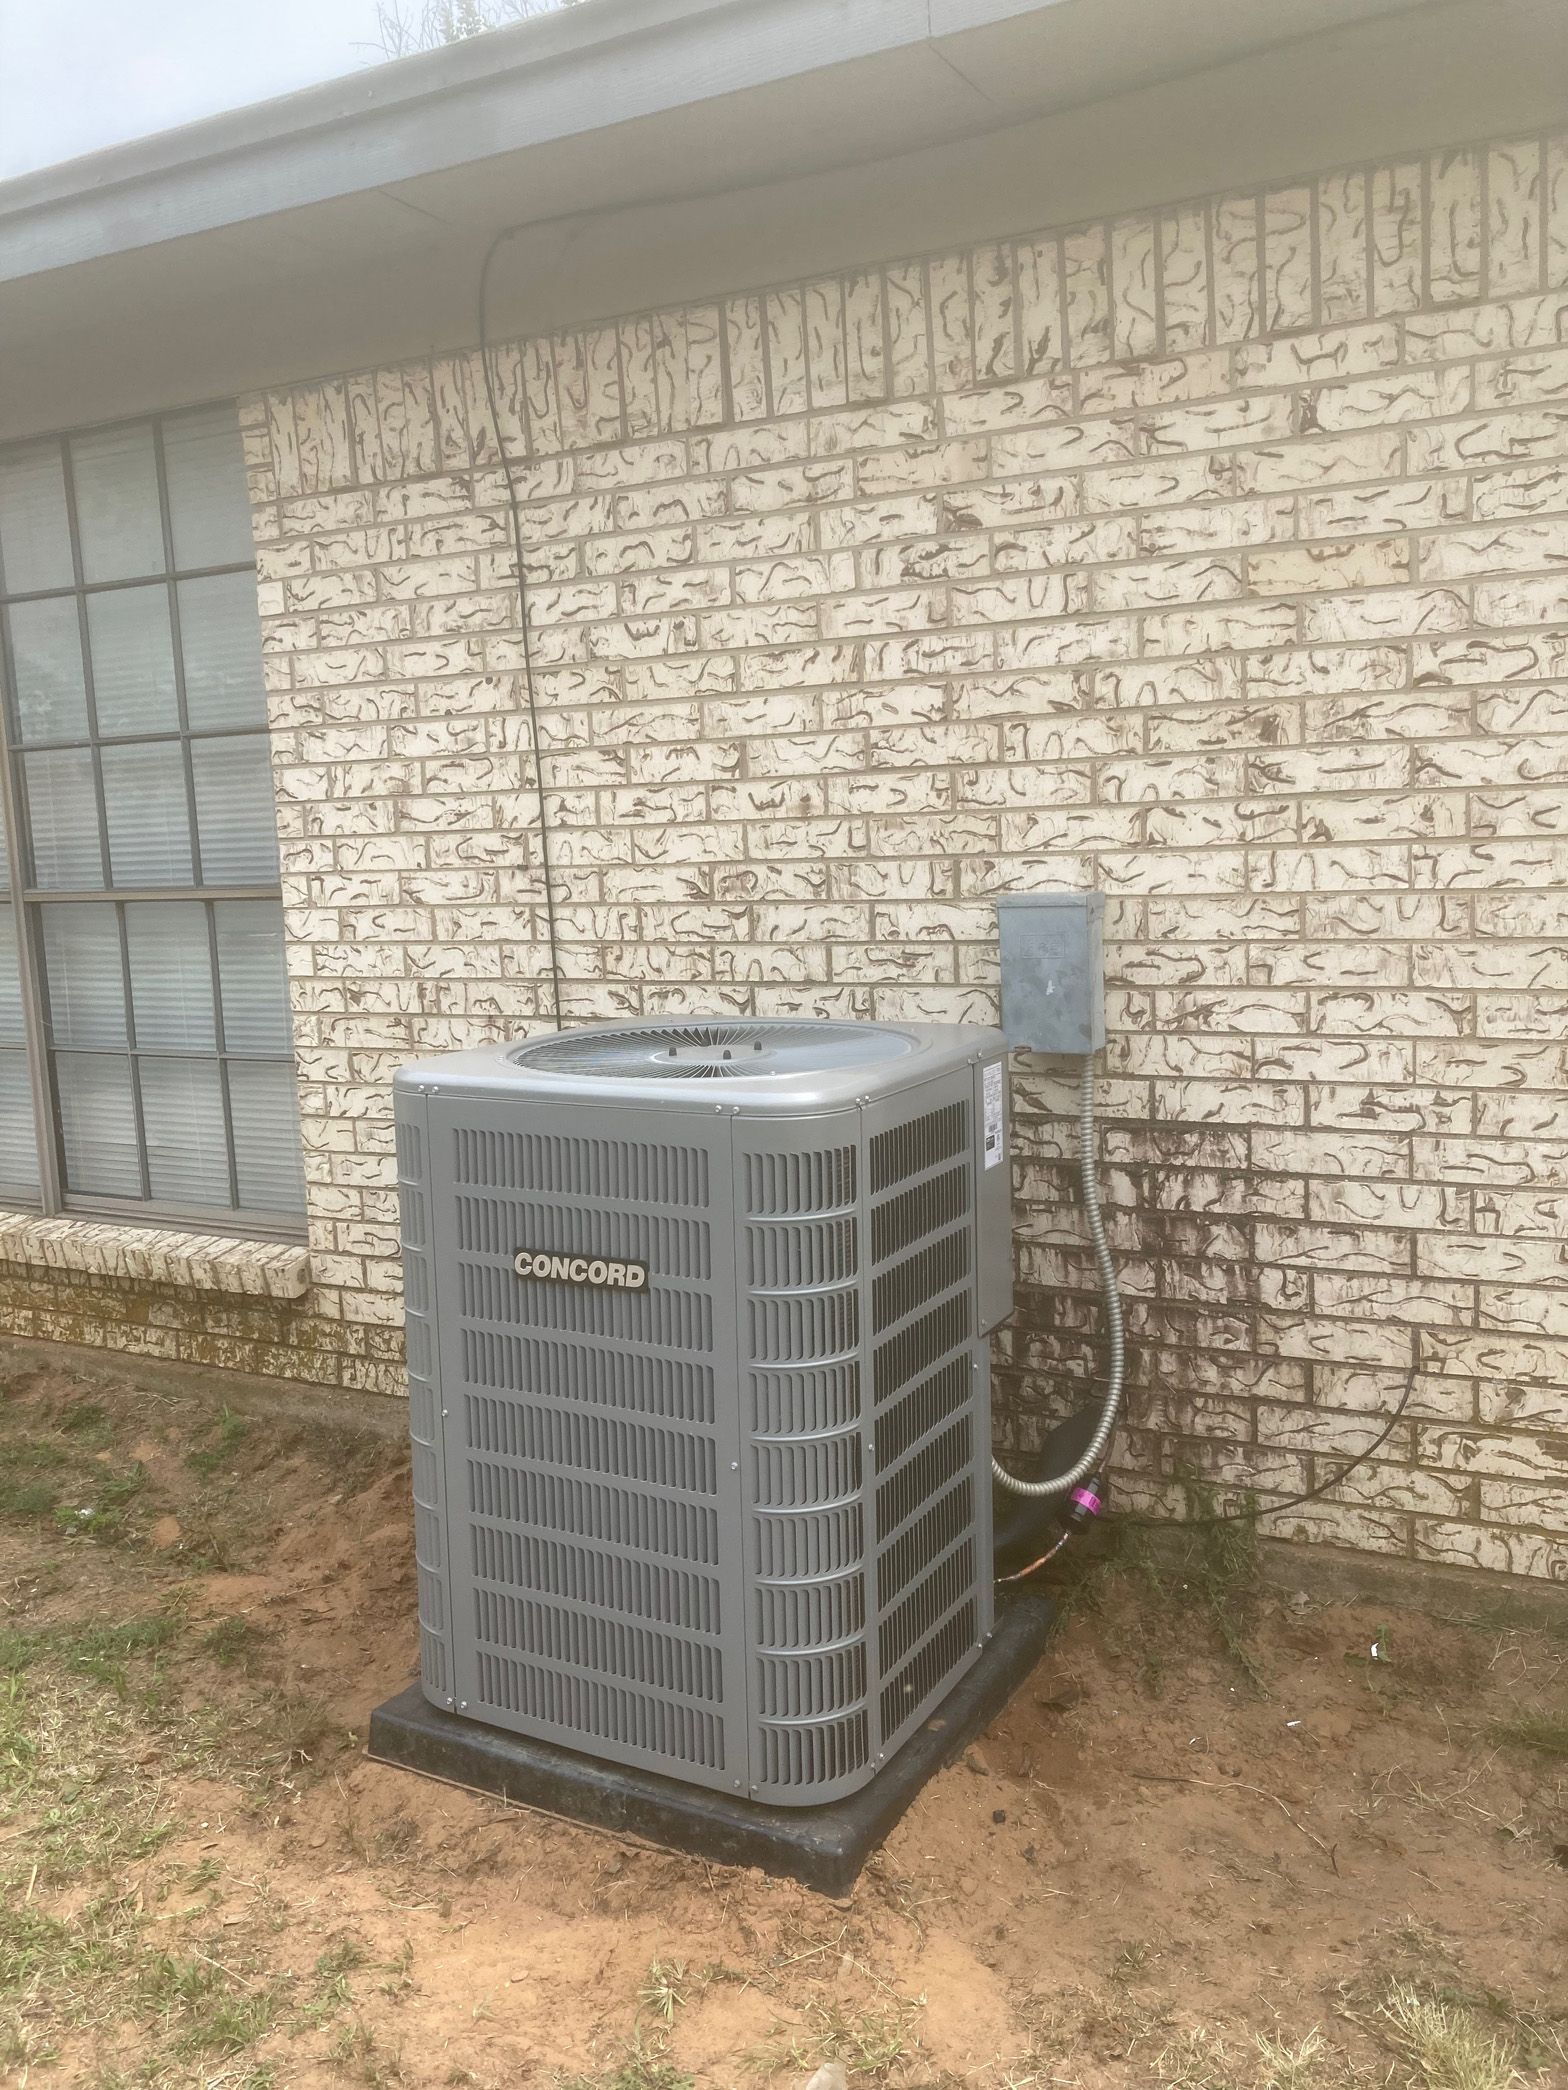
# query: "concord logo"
580 1269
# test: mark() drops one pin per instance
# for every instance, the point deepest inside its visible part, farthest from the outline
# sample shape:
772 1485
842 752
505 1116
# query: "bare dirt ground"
1215 1844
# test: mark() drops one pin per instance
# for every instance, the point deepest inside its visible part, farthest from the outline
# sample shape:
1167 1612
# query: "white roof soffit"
343 225
908 72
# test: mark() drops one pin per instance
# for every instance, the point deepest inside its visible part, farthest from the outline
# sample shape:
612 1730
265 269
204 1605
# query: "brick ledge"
152 1255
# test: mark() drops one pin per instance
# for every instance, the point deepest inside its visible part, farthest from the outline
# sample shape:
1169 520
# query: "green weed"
234 1643
227 1432
1538 1729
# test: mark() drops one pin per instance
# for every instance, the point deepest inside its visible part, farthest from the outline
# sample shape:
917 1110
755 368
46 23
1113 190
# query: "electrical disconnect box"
1053 987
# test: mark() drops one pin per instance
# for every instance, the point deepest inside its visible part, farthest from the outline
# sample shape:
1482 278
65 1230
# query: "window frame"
28 901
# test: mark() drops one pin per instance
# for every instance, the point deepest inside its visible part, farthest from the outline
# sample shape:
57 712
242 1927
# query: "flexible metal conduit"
1094 1456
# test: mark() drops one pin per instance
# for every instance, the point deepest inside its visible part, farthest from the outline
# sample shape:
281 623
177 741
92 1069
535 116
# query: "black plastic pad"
823 1847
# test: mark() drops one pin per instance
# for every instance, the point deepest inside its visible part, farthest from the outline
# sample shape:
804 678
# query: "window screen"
145 1056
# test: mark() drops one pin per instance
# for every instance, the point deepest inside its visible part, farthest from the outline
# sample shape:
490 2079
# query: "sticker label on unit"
580 1269
991 1098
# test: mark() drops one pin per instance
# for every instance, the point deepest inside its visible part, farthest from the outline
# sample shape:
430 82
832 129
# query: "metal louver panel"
424 1406
595 1540
800 1270
930 1427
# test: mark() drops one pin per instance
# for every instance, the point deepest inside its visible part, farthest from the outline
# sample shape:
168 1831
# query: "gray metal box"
1053 972
699 1387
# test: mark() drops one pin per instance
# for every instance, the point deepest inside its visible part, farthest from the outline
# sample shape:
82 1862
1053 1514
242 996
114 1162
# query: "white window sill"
153 1255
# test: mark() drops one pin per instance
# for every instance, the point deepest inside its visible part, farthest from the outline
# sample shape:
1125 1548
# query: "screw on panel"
462 1705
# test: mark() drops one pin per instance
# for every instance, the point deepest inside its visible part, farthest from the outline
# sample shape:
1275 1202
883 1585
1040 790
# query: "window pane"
220 635
204 468
171 975
133 661
182 1111
117 515
46 656
35 537
11 1031
18 1147
265 1111
62 818
148 816
97 1124
82 973
251 976
115 663
234 815
18 1143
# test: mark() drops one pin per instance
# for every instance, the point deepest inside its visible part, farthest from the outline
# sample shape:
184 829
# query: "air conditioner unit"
700 1400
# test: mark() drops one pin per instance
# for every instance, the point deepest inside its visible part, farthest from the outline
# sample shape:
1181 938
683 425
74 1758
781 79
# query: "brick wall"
1215 557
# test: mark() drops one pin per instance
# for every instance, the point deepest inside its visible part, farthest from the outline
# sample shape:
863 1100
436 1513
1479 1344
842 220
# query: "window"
145 1054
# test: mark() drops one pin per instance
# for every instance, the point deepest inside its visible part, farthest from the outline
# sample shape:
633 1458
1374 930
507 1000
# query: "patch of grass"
1199 2060
1535 1728
664 1989
207 2009
1302 2065
1219 1571
38 1451
332 1969
234 1643
102 1651
27 1498
251 1740
1444 2044
39 1953
1132 1958
97 1650
360 2058
1409 1963
871 2044
96 1974
644 2066
1205 1568
88 1422
1203 2059
342 1956
110 1493
225 1434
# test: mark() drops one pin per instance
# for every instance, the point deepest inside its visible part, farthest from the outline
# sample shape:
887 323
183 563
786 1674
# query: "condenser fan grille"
711 1051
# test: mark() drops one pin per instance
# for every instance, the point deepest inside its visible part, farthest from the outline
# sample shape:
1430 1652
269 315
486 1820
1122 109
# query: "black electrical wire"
514 507
1256 1514
654 200
1253 1515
